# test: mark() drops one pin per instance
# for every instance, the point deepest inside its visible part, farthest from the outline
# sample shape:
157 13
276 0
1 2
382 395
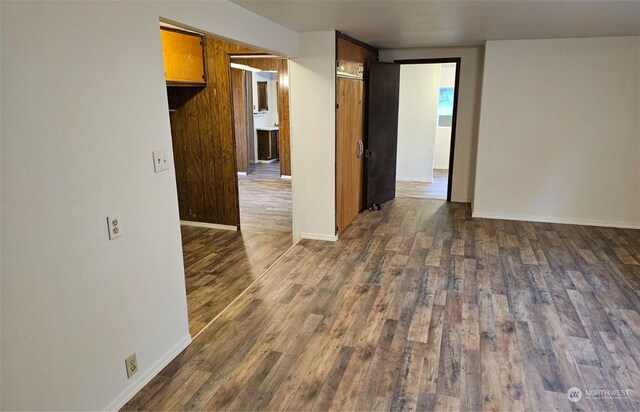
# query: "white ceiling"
402 23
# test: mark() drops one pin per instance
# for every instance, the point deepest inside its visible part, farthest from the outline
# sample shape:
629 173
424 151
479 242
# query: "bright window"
445 107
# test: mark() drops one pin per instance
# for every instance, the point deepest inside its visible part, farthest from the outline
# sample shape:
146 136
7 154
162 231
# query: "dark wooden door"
382 132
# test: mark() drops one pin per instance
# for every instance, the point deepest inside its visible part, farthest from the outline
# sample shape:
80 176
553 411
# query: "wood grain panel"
205 128
284 119
240 119
193 123
228 184
352 58
350 125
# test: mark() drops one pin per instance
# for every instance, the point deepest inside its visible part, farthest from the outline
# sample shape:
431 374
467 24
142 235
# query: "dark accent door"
382 132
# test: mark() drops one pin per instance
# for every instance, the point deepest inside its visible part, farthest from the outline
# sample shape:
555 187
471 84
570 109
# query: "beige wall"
417 118
560 132
443 134
84 105
313 130
468 110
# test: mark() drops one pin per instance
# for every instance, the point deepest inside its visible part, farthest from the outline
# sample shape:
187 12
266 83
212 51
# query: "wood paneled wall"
284 120
202 128
239 97
282 66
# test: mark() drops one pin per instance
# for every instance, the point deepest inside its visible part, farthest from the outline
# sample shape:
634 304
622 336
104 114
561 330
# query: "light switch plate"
160 161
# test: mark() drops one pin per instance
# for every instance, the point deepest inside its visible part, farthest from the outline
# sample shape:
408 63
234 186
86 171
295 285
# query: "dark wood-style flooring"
265 199
436 189
221 264
420 307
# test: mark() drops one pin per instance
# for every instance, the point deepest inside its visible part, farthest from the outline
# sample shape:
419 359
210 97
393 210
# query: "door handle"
360 149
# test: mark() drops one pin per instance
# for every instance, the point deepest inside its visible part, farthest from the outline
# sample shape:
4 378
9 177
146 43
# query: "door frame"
454 119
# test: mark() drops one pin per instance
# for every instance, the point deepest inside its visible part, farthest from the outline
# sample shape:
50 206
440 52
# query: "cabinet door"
183 57
274 143
263 145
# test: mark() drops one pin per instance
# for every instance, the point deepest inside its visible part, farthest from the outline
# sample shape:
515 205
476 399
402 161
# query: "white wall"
88 104
313 133
442 148
417 117
468 110
443 134
559 133
447 75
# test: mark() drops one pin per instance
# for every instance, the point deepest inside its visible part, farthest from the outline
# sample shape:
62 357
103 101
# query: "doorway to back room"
260 85
425 122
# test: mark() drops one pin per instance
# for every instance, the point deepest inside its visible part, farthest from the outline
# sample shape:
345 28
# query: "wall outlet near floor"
131 362
160 161
113 225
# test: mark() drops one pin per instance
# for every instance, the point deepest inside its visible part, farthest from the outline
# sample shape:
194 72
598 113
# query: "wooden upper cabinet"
183 55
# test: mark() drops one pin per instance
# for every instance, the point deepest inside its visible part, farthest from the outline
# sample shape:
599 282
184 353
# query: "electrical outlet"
131 362
160 161
113 225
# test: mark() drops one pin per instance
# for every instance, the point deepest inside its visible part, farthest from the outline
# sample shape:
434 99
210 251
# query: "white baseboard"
285 177
242 173
561 220
209 225
414 179
149 374
268 161
319 236
460 200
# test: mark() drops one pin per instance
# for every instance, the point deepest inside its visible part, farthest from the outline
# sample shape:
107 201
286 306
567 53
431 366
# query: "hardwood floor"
420 307
265 199
437 189
220 264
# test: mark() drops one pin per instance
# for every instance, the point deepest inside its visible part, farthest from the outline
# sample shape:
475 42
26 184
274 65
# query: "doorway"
426 128
260 85
221 258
